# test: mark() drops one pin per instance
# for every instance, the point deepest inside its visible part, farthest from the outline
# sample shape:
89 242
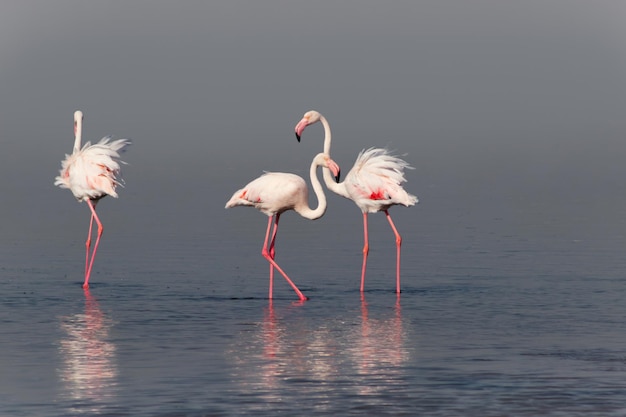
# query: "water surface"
490 322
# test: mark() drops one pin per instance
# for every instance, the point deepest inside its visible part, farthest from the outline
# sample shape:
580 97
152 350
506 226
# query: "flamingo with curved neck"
374 184
273 193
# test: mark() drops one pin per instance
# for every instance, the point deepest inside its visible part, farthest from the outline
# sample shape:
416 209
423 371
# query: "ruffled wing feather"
93 171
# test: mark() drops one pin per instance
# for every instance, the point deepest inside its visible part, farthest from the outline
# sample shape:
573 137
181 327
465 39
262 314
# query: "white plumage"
91 172
273 193
374 184
375 181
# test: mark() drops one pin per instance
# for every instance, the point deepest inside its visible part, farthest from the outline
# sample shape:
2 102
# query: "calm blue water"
491 322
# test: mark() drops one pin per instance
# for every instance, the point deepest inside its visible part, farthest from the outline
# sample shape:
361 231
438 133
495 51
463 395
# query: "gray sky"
499 105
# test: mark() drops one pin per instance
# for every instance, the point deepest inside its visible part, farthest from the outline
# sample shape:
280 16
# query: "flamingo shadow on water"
91 172
273 193
374 184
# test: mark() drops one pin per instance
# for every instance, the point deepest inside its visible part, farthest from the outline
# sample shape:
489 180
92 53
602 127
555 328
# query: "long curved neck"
78 133
337 188
327 135
318 212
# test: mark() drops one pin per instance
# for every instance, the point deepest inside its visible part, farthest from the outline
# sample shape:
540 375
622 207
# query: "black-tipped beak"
297 136
337 177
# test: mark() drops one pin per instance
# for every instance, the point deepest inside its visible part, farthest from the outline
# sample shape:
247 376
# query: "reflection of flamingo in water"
90 172
273 193
279 349
374 184
267 356
90 371
380 345
271 332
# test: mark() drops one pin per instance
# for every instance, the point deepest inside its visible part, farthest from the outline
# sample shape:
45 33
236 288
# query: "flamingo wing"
375 181
92 172
271 193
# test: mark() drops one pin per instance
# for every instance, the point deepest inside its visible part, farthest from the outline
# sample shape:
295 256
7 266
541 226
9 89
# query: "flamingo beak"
300 127
334 168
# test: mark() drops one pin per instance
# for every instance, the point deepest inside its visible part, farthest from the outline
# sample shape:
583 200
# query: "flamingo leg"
88 245
272 249
366 249
398 245
95 246
265 250
266 254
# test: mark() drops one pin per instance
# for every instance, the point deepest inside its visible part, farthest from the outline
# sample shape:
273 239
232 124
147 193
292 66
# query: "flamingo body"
374 184
91 173
273 193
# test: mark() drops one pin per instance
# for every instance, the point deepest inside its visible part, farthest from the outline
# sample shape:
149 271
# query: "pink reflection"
270 336
380 349
89 370
287 346
270 333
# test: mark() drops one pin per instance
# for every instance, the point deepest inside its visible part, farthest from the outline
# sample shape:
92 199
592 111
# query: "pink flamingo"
91 173
374 184
273 193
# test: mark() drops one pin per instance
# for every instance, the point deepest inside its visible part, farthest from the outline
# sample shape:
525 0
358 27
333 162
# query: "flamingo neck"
78 133
306 211
337 188
327 135
329 180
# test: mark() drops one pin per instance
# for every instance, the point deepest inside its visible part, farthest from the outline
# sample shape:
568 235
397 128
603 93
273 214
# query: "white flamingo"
374 184
91 172
273 193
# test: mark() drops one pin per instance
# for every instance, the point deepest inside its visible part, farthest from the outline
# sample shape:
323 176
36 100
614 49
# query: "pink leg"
88 245
266 254
272 250
366 249
398 244
264 251
95 247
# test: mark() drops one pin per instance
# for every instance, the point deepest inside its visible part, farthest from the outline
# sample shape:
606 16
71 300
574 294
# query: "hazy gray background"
513 113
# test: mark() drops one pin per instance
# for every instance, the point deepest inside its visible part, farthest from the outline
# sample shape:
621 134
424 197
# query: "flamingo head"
78 128
78 119
309 118
333 167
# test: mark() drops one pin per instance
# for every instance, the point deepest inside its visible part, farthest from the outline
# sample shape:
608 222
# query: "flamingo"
273 193
374 184
90 173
